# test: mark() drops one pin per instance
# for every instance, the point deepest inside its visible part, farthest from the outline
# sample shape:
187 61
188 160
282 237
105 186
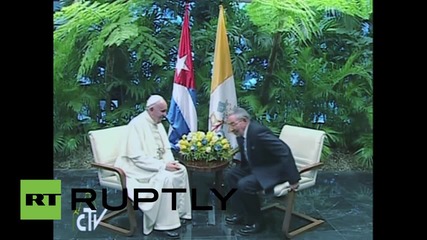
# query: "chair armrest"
235 150
310 167
236 161
119 171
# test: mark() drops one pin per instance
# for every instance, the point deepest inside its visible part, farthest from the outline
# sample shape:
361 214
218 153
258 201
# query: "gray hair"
240 113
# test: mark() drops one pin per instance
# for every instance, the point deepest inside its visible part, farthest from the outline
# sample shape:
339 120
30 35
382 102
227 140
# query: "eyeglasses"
233 124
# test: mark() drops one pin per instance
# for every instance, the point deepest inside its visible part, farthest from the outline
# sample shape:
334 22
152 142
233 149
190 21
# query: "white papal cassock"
143 157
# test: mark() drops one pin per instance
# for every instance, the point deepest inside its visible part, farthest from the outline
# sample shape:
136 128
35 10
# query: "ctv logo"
91 218
40 199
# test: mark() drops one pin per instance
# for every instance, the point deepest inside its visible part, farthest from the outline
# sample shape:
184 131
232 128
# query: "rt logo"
40 199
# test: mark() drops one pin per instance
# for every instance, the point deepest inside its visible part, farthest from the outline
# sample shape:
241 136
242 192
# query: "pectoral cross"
160 152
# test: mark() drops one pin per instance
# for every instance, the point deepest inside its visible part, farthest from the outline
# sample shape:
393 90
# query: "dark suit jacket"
270 159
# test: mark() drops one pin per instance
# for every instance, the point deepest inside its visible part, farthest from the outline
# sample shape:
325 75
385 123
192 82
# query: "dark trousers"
245 201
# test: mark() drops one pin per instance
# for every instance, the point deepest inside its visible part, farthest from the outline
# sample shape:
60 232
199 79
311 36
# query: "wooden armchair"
306 146
105 144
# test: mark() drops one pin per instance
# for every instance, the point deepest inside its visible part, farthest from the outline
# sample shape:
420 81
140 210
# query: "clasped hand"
172 166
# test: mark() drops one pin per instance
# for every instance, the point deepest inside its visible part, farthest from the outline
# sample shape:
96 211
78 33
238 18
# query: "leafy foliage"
359 8
292 16
311 60
94 46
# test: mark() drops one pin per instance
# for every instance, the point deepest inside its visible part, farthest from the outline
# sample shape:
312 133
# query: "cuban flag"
223 91
182 114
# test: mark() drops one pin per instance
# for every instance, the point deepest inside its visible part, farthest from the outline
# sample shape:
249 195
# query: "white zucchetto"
153 99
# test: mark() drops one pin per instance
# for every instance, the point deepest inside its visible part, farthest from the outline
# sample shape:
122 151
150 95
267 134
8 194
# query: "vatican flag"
223 91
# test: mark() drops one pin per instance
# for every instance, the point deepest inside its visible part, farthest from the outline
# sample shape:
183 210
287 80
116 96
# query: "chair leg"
288 216
131 217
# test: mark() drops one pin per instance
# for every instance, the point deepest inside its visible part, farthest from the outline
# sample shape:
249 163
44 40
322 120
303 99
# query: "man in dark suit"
265 161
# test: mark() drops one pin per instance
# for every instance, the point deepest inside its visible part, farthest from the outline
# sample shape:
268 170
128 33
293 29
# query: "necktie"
245 150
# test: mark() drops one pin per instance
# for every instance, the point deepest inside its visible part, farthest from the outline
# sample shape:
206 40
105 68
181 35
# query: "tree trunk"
270 67
109 72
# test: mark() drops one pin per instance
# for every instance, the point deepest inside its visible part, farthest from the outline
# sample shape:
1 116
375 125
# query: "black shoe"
171 234
250 229
234 219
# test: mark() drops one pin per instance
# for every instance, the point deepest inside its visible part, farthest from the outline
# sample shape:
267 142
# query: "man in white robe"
147 160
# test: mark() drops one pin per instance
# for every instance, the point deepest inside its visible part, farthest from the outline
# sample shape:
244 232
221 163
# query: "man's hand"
172 166
294 187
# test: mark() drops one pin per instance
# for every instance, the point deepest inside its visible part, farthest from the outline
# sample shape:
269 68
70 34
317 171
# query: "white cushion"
306 145
105 144
111 181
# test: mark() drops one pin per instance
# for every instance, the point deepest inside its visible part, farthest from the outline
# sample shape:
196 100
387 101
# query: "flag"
223 91
182 114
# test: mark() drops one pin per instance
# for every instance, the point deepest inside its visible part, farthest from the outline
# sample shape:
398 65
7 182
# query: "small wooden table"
216 167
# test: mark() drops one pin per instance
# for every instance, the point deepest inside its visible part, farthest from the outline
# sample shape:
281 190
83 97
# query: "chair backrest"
105 144
306 145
